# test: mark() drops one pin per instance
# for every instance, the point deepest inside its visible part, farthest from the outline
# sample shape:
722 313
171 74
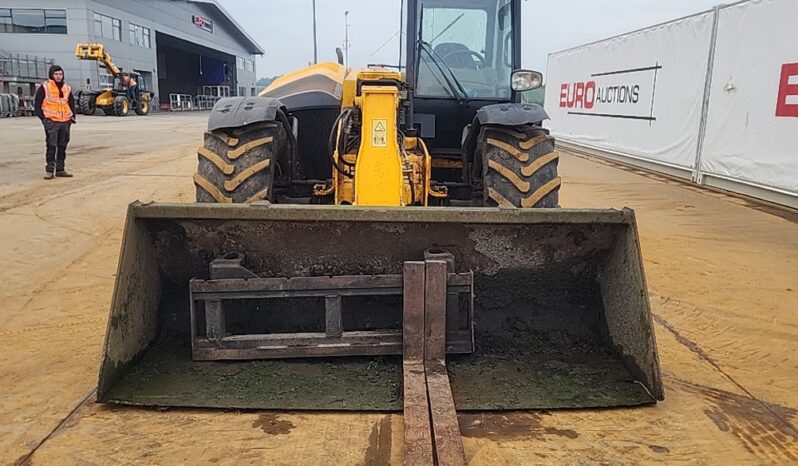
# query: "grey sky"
284 27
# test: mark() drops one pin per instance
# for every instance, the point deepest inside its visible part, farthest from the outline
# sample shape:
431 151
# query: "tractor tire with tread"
143 107
238 165
87 104
519 167
121 106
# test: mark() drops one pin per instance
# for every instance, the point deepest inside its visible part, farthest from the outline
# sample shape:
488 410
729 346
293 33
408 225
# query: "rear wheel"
121 106
87 104
238 165
519 167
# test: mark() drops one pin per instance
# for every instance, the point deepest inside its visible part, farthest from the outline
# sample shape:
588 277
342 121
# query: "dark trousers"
57 136
132 94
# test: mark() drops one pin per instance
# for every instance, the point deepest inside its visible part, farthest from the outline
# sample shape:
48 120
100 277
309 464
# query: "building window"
107 27
253 92
139 35
27 21
55 21
245 64
6 25
106 78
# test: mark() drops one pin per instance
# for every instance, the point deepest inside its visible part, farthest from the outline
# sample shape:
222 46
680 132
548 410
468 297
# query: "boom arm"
97 52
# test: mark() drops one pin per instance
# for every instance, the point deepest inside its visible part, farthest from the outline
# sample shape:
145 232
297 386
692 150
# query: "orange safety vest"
53 107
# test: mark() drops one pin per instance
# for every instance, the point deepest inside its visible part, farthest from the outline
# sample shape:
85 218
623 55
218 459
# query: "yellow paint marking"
542 192
234 154
230 141
211 189
526 145
501 200
233 184
258 197
211 157
520 184
533 167
521 156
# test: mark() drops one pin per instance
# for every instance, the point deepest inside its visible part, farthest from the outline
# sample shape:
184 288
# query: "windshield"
472 39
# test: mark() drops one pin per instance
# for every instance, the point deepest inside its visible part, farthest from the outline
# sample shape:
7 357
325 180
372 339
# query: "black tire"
519 167
143 107
121 106
237 165
87 104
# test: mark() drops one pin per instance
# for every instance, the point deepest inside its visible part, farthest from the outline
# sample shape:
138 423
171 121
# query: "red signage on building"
202 23
787 106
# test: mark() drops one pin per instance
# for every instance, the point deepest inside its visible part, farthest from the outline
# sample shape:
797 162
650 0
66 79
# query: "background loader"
113 100
347 253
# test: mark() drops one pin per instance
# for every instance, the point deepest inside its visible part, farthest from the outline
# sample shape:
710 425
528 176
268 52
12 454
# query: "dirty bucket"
560 315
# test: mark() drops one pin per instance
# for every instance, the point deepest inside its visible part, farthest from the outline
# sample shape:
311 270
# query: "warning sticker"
379 133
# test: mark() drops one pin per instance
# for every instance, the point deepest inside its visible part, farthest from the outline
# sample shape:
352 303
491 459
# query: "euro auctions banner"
752 124
622 94
639 94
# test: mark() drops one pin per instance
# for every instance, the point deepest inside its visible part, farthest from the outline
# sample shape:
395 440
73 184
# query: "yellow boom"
97 52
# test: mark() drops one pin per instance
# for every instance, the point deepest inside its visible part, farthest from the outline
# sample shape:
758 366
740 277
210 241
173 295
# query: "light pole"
346 41
401 31
315 40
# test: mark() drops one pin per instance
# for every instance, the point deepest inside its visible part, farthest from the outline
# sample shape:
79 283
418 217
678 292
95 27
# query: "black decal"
609 115
635 70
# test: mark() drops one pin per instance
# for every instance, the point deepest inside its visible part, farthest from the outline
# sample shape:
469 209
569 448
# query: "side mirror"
526 80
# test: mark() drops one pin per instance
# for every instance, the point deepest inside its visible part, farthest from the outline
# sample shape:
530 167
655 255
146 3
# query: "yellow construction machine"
385 239
113 100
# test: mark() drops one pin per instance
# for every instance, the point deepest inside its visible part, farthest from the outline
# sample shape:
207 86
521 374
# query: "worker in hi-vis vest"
55 106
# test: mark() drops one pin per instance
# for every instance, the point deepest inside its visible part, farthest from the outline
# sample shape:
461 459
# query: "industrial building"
189 47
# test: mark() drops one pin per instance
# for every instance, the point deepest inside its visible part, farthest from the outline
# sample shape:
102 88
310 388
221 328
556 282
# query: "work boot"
64 174
48 176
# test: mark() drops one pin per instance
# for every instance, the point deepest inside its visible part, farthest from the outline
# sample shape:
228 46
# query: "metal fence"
15 65
188 103
181 102
206 102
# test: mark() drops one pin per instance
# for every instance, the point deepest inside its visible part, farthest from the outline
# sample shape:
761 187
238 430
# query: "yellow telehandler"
115 100
385 239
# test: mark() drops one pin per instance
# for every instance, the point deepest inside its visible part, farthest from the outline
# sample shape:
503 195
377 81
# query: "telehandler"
113 100
384 239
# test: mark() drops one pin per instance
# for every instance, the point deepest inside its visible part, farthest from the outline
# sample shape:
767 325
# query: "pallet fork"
428 289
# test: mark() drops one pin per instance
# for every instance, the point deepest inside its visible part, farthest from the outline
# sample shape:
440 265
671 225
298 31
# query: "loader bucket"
559 316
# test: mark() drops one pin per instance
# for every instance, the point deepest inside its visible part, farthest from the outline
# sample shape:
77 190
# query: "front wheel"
238 165
143 107
520 167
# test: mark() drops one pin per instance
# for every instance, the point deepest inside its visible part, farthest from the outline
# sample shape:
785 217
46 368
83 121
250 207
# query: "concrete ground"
722 273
